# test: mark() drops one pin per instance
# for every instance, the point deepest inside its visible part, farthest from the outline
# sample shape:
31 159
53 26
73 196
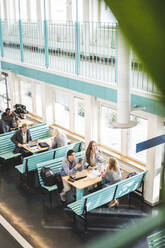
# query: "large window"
26 94
109 136
135 135
62 109
79 115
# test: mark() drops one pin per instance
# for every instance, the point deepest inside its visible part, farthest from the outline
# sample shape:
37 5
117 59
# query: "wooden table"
38 148
83 183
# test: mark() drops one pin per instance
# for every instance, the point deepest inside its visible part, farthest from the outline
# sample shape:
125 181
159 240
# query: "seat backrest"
156 240
129 185
54 164
33 160
62 151
6 145
40 131
94 200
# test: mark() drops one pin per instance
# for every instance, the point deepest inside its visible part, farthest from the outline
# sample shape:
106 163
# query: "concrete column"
49 15
71 113
91 119
28 3
69 10
11 81
33 89
43 97
14 9
154 160
38 7
86 10
5 4
123 94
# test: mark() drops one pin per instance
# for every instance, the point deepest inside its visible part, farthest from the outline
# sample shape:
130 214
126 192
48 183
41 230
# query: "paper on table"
93 174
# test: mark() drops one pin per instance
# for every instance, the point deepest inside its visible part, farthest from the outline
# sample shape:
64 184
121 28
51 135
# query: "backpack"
131 174
50 179
47 176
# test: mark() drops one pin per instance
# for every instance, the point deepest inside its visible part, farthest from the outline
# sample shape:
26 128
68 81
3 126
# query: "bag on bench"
50 179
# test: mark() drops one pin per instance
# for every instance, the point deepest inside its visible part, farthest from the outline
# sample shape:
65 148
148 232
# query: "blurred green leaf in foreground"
142 22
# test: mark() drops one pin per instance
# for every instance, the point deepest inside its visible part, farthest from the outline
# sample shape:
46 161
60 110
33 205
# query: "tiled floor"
45 226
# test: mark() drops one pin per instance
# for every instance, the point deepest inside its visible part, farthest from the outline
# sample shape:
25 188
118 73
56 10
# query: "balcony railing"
88 49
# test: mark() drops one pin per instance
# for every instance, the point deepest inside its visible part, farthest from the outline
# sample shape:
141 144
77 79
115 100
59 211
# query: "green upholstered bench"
156 240
105 195
30 163
40 131
55 166
7 147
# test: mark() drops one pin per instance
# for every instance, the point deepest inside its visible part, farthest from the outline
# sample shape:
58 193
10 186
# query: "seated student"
9 121
112 175
59 140
21 137
93 155
69 166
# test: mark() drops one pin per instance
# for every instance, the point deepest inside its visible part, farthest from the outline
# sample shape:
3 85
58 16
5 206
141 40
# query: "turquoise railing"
140 80
88 49
11 39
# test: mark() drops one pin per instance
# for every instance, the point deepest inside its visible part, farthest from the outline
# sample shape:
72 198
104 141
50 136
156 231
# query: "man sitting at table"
20 138
69 166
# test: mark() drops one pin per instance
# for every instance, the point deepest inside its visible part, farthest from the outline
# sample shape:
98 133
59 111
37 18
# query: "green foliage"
142 22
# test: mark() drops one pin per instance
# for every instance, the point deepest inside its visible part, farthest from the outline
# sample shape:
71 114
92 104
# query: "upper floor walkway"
88 50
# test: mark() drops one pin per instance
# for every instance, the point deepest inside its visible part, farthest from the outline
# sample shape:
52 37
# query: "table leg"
79 194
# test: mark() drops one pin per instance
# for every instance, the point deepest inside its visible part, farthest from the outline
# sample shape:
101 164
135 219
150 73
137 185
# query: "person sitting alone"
9 121
20 138
69 165
59 140
112 175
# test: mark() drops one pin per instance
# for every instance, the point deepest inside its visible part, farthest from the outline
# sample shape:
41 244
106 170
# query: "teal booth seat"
30 163
39 131
105 195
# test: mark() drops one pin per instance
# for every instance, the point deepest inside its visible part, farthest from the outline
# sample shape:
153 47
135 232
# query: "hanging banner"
150 143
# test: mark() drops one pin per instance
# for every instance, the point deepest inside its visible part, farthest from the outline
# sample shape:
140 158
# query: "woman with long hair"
112 175
93 155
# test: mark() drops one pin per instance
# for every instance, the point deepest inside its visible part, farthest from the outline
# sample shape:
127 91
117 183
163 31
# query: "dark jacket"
9 119
18 138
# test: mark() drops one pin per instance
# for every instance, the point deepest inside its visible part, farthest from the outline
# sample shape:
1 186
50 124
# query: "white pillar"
43 97
5 4
38 7
14 9
33 90
69 10
123 93
91 119
49 17
11 81
28 3
154 159
85 10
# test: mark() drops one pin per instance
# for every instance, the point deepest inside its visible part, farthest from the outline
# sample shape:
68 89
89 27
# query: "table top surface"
38 148
91 178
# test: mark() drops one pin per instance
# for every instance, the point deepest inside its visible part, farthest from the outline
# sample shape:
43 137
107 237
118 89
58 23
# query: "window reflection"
79 117
109 136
